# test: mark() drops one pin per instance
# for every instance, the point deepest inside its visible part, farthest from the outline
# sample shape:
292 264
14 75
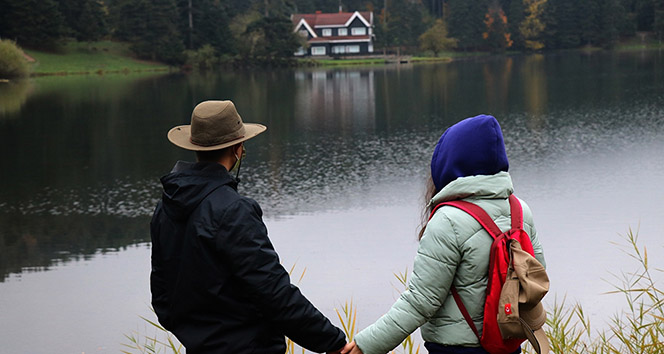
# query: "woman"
469 163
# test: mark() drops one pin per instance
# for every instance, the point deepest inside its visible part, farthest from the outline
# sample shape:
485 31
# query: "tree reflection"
13 95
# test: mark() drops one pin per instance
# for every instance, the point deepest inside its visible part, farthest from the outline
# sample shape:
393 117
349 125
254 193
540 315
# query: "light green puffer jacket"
454 250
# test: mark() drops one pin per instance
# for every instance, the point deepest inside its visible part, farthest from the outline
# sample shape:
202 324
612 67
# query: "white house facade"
335 34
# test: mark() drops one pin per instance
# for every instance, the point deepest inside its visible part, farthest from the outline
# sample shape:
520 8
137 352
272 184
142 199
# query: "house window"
343 31
318 50
327 32
300 51
353 48
358 31
304 33
338 49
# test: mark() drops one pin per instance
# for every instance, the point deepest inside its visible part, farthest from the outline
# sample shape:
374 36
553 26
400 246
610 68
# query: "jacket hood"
471 147
189 183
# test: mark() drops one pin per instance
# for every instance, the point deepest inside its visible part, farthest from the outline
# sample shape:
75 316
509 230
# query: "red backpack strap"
476 212
464 312
516 212
490 226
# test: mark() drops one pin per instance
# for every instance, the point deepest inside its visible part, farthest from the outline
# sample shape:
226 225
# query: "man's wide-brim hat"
214 125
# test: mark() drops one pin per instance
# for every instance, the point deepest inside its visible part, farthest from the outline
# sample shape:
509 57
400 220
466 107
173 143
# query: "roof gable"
340 19
303 23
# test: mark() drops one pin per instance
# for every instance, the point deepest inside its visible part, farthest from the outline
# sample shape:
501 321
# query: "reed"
140 343
639 329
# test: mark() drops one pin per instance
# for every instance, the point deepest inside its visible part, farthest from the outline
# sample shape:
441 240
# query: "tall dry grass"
638 329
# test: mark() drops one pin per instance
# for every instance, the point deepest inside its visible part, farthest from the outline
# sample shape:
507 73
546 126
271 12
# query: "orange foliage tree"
496 35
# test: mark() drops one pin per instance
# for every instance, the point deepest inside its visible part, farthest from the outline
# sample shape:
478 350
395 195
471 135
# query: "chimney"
318 12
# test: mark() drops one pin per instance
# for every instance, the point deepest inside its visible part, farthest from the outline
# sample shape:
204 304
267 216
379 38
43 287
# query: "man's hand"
351 348
338 351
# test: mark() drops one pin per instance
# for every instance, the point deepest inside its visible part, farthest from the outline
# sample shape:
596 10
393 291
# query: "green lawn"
83 58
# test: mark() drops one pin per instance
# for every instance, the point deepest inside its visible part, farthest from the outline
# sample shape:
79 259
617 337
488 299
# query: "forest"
171 31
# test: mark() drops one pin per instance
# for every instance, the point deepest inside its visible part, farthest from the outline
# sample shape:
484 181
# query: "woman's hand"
351 348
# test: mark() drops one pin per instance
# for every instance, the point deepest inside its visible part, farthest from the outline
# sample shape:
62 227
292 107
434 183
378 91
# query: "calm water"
339 174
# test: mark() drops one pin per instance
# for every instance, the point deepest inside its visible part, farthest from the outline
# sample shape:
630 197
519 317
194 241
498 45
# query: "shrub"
204 58
12 62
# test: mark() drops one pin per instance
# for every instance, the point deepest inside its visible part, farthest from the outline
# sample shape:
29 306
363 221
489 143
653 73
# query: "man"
216 280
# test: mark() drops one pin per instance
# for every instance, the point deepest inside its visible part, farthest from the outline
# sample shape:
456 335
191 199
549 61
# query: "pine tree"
151 28
659 20
609 22
85 19
33 23
209 25
272 39
590 27
91 24
515 15
645 14
128 19
464 18
568 22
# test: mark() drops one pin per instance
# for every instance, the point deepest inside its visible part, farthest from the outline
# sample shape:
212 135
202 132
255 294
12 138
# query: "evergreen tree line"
249 30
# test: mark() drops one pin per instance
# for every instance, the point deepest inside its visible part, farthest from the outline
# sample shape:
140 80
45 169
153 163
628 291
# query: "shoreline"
110 58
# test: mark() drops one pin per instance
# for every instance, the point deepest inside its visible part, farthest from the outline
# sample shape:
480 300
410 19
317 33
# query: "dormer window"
303 32
343 31
358 31
327 32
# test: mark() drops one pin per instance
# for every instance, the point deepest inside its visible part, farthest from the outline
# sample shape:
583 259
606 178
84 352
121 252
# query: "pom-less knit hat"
471 147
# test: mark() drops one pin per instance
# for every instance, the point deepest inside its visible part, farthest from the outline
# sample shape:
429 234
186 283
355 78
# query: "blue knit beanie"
471 147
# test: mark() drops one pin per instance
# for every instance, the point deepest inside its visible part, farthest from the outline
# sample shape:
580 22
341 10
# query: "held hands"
351 348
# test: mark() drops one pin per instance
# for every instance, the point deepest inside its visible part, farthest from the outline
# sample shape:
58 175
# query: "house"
342 33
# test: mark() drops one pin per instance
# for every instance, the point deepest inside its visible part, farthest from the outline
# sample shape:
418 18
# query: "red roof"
333 19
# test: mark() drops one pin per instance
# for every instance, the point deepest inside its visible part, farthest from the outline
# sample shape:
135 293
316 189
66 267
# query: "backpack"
501 315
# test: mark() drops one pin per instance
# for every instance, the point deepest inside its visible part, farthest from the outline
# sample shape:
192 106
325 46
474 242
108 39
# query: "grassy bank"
90 58
378 60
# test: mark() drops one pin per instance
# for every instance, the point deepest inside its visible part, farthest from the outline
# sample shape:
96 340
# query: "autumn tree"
436 38
532 25
496 35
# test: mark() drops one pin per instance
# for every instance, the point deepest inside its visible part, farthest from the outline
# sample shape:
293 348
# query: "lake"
339 174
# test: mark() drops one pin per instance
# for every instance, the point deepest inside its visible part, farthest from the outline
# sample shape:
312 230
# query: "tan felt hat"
214 125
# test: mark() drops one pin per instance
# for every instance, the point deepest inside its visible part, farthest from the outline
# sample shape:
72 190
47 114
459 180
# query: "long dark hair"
429 193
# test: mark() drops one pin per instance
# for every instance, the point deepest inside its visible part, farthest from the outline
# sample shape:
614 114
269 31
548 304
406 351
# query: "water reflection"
12 96
335 100
83 153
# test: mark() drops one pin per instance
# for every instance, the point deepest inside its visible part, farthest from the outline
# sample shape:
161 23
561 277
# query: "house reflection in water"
342 100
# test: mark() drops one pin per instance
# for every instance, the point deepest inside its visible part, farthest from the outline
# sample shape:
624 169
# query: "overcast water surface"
339 174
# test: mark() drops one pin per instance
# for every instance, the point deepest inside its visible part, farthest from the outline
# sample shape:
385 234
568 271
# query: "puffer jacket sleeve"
255 263
433 272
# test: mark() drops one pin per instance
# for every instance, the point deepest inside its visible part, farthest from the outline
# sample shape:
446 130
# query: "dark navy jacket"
216 280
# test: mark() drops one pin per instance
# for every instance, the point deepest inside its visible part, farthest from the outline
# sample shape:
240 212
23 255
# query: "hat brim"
180 136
